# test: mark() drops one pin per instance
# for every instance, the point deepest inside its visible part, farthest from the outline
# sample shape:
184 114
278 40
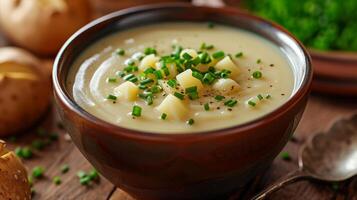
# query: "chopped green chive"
218 55
268 96
208 78
149 100
93 175
191 89
23 152
285 156
230 103
146 81
238 55
131 68
84 180
120 51
179 95
136 111
38 144
57 180
260 97
156 89
142 87
204 58
251 103
120 74
37 172
131 78
149 70
163 116
166 71
111 80
81 174
129 62
219 97
197 75
158 74
204 46
206 106
64 168
210 25
257 74
259 61
111 97
172 83
150 50
190 122
225 74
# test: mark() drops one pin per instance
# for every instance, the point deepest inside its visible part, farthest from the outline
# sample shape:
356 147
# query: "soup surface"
181 78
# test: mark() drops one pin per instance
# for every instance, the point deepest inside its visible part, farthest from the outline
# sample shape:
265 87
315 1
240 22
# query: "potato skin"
40 28
22 101
13 176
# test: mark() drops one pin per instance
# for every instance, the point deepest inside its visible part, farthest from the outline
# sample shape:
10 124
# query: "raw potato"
42 26
173 107
226 86
148 61
13 177
227 64
186 80
127 90
190 52
24 90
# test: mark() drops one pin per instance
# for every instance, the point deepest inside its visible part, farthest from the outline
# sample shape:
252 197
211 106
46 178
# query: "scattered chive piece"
224 73
38 144
143 87
64 168
259 61
260 97
136 111
218 55
23 152
230 103
37 172
149 100
268 96
190 122
172 83
57 180
206 106
81 174
128 77
150 50
146 81
238 55
210 25
155 89
111 80
158 74
204 58
208 78
120 74
187 56
93 175
179 95
166 71
149 70
163 116
257 74
111 97
191 89
204 46
219 97
252 103
197 75
84 180
285 156
120 51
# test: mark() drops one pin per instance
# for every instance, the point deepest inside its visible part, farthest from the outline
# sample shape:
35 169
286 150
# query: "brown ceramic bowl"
182 166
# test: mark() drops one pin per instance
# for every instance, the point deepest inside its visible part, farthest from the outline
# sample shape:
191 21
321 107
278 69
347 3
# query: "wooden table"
321 112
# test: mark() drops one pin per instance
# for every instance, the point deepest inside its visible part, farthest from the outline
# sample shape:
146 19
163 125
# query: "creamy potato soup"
181 78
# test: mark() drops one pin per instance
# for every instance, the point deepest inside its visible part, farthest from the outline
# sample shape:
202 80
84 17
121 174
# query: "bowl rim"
113 129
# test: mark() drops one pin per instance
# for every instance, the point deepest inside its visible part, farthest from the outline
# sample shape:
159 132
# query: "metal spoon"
327 157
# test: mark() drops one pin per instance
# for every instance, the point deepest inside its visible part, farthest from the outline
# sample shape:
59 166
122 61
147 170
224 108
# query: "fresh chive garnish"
158 74
238 55
111 80
128 77
225 74
230 103
204 46
187 56
196 61
155 89
191 89
190 122
64 168
129 62
38 144
163 116
179 95
208 78
219 97
166 71
120 51
120 74
260 97
149 70
172 83
146 81
143 87
193 95
149 100
257 74
210 25
37 172
197 75
111 97
259 61
285 156
218 55
136 111
268 96
206 106
150 50
252 103
57 180
204 58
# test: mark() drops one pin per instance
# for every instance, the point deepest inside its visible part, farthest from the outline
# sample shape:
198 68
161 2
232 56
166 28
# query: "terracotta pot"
182 166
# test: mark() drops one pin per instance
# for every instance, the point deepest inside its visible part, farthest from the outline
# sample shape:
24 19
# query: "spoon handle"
289 178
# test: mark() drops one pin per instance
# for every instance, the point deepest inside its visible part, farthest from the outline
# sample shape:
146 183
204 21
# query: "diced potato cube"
226 86
190 52
127 90
186 80
148 61
227 64
173 107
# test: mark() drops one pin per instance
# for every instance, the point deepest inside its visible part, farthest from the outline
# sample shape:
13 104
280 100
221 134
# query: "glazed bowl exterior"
203 165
